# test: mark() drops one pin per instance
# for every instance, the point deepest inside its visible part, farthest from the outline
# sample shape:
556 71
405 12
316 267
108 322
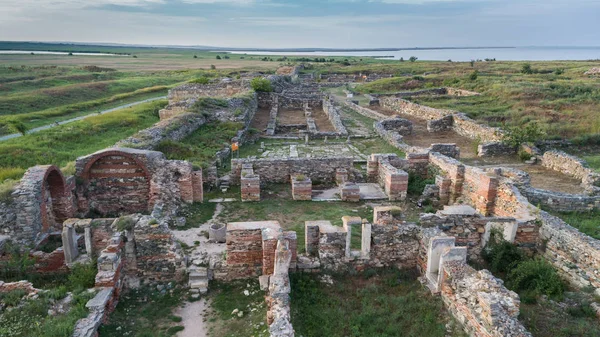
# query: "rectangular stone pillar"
373 169
311 237
301 188
69 241
396 184
198 189
444 185
365 249
350 192
250 186
347 222
437 246
341 176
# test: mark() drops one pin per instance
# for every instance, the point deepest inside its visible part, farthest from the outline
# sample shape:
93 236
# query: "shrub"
261 85
500 254
12 298
527 69
15 126
559 71
537 277
524 155
200 80
6 189
413 58
83 276
416 184
517 135
212 66
125 223
474 75
218 57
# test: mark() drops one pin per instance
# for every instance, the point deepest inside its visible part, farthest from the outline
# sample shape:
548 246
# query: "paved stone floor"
368 191
301 150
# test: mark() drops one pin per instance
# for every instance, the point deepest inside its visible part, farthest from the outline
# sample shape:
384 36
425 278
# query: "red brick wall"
197 187
117 184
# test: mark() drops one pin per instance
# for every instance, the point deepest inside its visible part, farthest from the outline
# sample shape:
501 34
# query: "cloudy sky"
306 23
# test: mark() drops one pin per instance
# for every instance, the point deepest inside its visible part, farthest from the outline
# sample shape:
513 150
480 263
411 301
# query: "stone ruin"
119 203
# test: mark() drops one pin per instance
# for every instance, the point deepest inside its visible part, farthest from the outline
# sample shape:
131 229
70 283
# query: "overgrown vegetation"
516 135
63 144
375 303
530 277
144 312
213 137
586 222
235 313
259 84
196 214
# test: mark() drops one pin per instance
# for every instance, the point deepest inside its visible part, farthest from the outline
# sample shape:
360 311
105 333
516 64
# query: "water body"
462 55
22 52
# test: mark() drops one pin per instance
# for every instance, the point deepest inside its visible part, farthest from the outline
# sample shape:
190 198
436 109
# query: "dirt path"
46 127
193 320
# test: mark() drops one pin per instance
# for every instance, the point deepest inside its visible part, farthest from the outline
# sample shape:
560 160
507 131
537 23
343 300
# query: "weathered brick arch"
44 201
116 182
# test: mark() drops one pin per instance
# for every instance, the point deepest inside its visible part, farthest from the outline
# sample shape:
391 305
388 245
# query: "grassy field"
63 144
585 222
375 303
557 96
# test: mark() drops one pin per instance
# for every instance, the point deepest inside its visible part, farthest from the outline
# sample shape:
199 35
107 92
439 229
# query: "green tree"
218 57
413 58
517 135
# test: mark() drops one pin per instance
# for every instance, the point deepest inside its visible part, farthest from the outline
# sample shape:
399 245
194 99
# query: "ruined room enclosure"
540 176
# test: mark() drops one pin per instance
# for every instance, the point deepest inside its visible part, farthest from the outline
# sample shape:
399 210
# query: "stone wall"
434 92
480 302
280 170
461 124
575 255
573 166
362 111
158 256
195 90
301 188
42 201
278 299
333 113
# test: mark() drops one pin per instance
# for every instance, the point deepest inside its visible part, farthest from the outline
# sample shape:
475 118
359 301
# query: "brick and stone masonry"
301 188
250 184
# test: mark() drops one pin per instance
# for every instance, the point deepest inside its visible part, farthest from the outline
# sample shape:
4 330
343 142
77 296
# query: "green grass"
593 161
586 222
573 317
200 147
292 214
226 297
144 312
376 303
196 214
31 318
63 144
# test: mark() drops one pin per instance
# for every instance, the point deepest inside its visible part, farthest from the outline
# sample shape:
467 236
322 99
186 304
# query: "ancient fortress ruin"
118 205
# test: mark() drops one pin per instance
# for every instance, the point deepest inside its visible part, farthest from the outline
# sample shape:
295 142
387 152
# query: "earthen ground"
322 121
423 138
261 119
291 116
192 314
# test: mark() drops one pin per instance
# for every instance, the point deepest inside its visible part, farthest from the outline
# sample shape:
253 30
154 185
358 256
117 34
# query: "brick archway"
115 183
57 202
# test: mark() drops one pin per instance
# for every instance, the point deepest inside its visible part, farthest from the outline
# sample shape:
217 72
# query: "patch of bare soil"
423 138
261 119
291 116
551 180
193 319
322 121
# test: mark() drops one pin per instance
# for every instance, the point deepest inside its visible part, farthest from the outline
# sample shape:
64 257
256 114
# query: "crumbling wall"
573 166
480 302
575 255
43 200
280 170
278 299
333 113
195 90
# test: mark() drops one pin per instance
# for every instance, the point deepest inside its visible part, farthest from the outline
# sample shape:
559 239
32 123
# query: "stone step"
198 272
198 284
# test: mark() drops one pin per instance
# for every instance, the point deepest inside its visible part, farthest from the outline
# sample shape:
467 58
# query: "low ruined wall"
394 244
480 189
575 255
175 128
435 91
333 113
194 90
561 202
572 166
480 302
462 124
364 111
280 170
